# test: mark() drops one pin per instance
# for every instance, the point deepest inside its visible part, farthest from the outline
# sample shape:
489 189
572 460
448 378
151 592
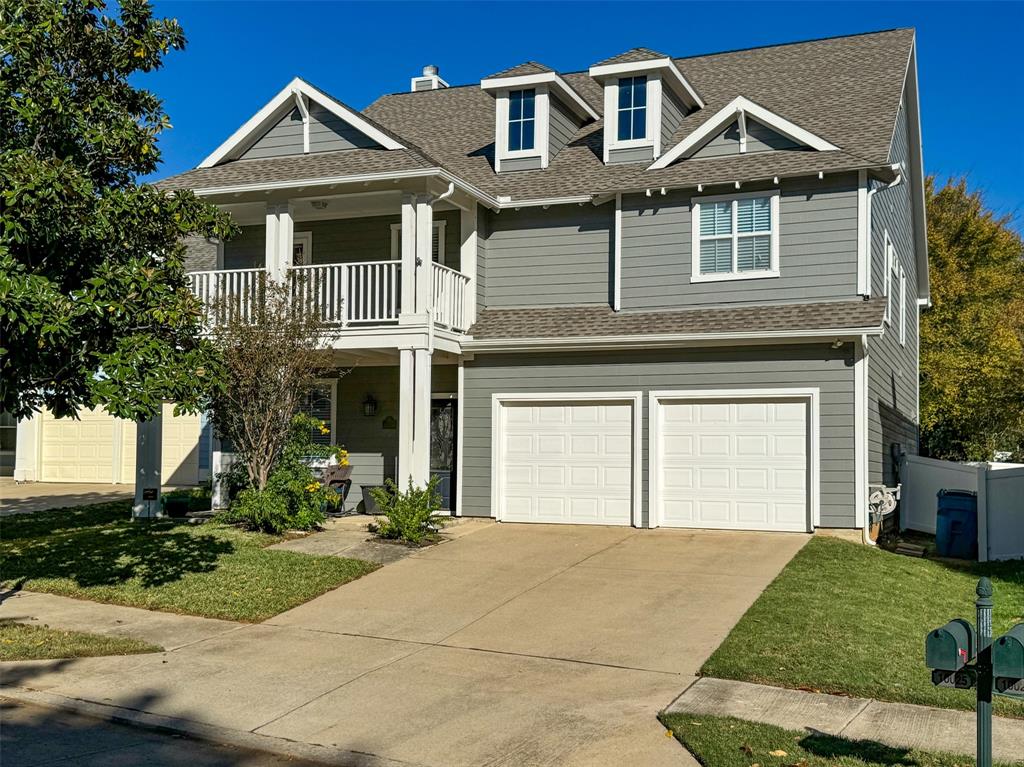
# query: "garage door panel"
740 464
566 462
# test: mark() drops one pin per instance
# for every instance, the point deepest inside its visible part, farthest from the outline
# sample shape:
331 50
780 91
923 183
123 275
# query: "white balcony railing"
229 292
449 297
368 292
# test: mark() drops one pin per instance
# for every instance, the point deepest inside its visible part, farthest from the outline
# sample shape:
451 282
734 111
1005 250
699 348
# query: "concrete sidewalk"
900 725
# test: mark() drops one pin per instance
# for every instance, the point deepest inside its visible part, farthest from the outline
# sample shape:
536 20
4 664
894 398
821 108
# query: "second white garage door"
740 465
568 462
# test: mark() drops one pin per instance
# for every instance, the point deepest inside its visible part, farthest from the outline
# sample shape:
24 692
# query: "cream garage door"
566 462
78 450
739 465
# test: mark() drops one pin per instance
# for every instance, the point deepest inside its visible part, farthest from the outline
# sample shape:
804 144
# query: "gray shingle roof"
526 68
846 90
589 321
631 56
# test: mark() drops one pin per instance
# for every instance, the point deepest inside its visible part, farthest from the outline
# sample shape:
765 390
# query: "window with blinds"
436 242
319 404
736 236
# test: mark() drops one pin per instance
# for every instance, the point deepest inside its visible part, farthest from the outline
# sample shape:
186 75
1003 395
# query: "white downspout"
871 196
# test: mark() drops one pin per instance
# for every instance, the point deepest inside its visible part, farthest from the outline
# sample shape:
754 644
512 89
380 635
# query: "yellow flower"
324 430
312 487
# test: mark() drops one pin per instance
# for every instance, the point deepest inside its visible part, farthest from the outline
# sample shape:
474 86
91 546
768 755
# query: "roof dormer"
645 99
536 113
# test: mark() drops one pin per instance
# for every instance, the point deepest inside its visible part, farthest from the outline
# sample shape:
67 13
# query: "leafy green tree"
972 338
94 304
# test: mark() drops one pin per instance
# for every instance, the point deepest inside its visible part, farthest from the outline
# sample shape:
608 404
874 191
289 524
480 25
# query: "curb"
208 733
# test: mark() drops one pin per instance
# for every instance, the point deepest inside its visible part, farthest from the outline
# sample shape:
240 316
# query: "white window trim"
903 307
634 398
396 241
611 110
812 395
887 283
306 238
695 238
541 127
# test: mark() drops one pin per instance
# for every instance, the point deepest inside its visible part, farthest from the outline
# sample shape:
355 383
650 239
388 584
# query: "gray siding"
563 127
200 254
481 256
760 138
248 249
520 163
672 112
340 240
760 367
892 368
633 154
554 257
373 450
817 244
327 132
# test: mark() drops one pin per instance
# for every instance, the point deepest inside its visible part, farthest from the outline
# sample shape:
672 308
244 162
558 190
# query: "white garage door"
569 462
739 465
79 450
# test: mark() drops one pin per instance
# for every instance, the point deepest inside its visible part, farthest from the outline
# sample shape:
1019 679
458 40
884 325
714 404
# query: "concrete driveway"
515 645
23 497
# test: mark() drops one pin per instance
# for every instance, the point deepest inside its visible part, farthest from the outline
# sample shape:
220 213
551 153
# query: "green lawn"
725 742
846 618
214 570
21 641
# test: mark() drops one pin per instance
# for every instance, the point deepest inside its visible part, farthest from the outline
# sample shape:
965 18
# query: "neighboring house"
657 292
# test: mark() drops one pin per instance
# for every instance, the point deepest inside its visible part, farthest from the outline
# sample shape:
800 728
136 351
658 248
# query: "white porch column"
406 408
217 467
408 255
424 257
26 449
467 258
280 235
421 419
148 459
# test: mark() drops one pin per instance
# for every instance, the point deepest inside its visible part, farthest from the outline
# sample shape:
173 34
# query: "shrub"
410 516
262 510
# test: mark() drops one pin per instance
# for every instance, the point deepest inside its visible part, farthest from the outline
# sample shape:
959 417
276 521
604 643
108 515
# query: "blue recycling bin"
956 525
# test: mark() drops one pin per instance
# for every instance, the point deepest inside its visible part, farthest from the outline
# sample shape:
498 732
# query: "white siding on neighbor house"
892 368
811 365
817 249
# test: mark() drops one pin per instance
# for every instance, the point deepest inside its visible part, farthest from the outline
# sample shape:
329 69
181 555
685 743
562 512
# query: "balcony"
347 295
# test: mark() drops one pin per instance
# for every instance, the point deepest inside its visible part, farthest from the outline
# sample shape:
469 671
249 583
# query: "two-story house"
656 291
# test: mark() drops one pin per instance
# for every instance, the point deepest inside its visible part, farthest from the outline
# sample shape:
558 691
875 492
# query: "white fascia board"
552 80
668 67
724 116
274 108
912 102
655 340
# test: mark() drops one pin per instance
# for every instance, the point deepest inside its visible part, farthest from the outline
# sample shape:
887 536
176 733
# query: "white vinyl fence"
1000 490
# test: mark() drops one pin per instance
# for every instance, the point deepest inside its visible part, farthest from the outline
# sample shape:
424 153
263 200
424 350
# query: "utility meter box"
1008 654
950 647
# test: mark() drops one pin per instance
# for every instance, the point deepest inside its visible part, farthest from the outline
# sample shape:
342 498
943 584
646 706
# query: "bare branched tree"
273 347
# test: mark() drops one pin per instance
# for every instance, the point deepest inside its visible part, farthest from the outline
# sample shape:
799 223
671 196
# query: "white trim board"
731 111
634 398
811 394
574 101
285 100
396 241
664 66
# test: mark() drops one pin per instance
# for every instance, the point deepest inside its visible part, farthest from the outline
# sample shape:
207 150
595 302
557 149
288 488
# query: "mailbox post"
961 656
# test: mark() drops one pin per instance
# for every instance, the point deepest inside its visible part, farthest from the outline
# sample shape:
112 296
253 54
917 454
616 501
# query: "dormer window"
646 97
522 115
536 112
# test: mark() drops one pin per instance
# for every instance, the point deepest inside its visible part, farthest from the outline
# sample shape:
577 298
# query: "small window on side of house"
632 110
735 238
903 307
522 118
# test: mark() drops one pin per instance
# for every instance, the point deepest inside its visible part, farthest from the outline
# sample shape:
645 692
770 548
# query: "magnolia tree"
272 348
94 304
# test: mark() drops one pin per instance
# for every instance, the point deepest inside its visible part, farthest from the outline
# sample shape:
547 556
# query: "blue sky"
241 53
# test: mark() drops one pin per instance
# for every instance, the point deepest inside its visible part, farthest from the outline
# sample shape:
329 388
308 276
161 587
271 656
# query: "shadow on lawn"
869 751
101 551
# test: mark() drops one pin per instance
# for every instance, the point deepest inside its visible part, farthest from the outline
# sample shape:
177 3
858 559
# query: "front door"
443 425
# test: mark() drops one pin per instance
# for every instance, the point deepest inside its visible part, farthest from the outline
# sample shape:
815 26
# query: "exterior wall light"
369 406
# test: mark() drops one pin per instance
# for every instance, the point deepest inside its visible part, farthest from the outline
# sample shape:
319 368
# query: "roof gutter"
661 340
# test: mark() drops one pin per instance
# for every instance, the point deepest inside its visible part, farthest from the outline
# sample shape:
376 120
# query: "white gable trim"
285 100
552 80
666 66
740 108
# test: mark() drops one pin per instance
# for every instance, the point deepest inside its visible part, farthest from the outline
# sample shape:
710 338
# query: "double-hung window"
522 118
903 307
736 237
632 114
